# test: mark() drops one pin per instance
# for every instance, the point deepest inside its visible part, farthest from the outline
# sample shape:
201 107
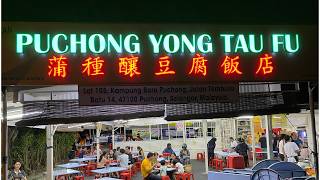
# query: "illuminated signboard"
91 54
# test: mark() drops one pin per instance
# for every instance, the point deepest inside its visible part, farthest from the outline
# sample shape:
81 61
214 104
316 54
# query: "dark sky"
197 11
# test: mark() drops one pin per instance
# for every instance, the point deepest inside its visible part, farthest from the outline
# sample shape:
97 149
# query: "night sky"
200 11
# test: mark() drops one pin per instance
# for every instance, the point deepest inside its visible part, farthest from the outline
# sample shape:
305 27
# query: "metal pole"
49 132
184 132
253 144
98 131
269 136
150 135
113 138
204 130
4 135
169 132
314 132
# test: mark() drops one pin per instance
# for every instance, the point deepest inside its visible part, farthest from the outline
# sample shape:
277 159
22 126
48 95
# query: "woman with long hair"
102 160
17 172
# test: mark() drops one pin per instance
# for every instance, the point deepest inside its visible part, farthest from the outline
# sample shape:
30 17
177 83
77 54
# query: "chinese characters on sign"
164 64
93 66
57 67
129 66
231 65
199 65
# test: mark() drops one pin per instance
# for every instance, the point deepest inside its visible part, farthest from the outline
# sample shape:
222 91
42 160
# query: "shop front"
178 72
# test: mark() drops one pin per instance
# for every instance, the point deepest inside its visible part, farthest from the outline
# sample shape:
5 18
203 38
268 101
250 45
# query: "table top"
160 159
83 159
109 170
64 172
114 164
71 165
225 154
168 169
108 178
90 156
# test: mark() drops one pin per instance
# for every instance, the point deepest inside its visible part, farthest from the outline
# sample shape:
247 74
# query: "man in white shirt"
281 147
291 150
178 166
123 158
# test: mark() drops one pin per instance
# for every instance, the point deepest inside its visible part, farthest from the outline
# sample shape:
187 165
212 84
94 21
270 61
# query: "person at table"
94 150
17 172
138 138
111 154
163 168
168 149
211 146
295 138
128 152
147 167
233 143
123 159
178 166
140 152
184 154
291 150
242 149
174 157
83 152
263 142
102 160
88 139
281 144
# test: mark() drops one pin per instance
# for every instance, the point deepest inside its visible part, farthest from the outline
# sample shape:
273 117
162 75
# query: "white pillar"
98 131
150 135
184 132
124 134
113 138
49 136
169 132
253 144
204 130
161 138
269 136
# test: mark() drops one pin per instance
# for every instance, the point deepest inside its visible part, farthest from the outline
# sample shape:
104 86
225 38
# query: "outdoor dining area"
112 168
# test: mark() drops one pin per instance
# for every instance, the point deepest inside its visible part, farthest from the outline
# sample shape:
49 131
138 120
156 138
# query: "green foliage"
29 146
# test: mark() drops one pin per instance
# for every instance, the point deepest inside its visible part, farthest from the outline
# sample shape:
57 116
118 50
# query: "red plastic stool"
78 178
125 176
165 178
213 163
138 166
184 176
88 170
219 164
200 156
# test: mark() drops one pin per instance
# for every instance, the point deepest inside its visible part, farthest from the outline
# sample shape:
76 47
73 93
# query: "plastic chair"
259 154
138 165
78 178
200 156
184 176
88 170
165 178
125 176
219 164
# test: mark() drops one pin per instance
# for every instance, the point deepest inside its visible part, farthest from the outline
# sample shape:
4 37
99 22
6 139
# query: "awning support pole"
98 131
269 136
253 144
204 130
50 130
314 132
4 135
